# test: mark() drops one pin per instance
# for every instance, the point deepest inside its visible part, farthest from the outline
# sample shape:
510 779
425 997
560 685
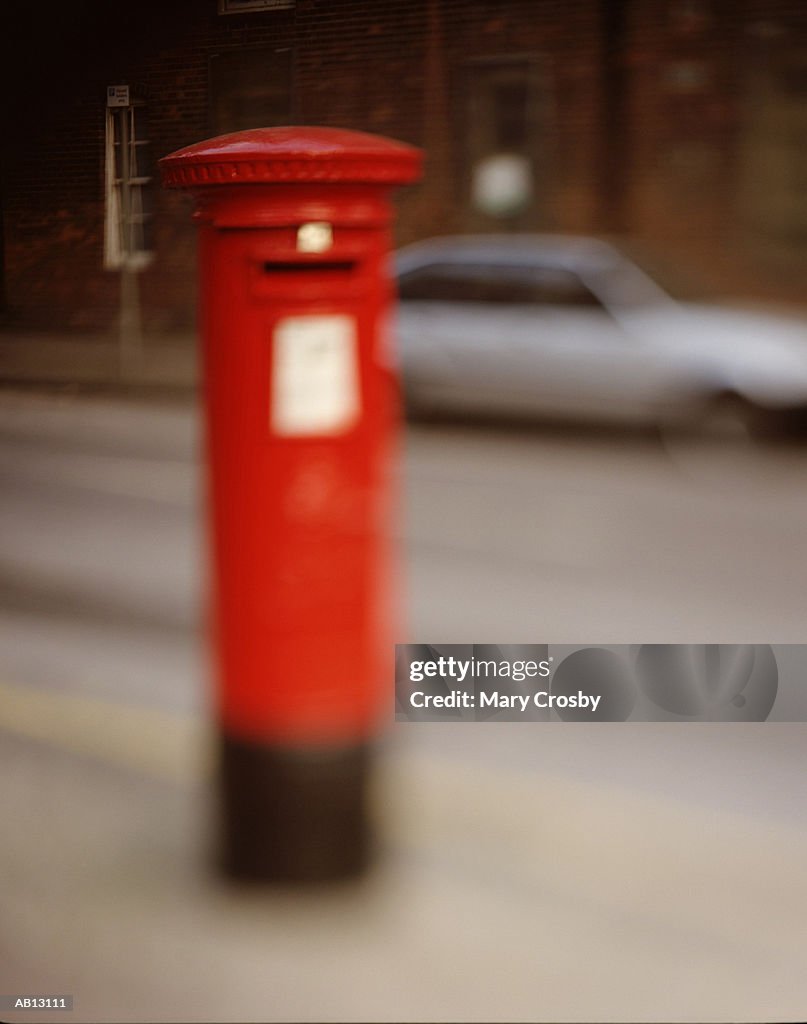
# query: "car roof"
570 251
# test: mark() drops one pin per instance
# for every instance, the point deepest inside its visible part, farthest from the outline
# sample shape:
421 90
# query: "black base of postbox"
294 815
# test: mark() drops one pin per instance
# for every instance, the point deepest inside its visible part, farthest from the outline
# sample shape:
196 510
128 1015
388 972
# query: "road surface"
527 872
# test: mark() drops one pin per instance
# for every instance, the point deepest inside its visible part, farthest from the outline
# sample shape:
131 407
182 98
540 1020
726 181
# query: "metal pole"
130 340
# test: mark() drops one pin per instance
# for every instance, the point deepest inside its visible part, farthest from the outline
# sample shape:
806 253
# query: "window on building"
507 108
772 155
129 189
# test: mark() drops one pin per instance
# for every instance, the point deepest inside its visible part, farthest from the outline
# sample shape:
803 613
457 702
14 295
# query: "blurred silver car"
567 327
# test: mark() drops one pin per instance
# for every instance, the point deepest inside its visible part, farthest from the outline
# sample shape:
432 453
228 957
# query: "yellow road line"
604 846
158 743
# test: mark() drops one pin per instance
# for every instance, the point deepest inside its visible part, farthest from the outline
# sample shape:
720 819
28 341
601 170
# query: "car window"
623 285
496 284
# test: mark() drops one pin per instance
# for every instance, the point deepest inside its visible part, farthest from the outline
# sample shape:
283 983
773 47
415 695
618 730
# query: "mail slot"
325 267
282 278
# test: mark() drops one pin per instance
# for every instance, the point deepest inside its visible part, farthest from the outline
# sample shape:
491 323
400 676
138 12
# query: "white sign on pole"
117 95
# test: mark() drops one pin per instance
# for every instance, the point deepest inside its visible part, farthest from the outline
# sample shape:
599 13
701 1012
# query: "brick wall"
696 166
399 68
641 129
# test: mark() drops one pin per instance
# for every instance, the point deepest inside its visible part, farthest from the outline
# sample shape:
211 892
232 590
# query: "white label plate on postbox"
315 379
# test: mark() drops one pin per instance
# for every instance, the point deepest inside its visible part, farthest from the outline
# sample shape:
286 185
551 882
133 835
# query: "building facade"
675 124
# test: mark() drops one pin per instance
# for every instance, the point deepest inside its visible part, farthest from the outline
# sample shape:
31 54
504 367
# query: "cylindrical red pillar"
300 405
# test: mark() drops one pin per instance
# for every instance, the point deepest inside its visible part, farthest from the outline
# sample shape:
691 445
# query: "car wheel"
727 440
732 420
729 420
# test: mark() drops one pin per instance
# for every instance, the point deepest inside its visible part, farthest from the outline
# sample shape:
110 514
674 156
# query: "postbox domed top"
292 154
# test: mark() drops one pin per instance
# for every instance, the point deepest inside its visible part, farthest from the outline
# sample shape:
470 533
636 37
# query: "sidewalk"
164 362
100 507
583 873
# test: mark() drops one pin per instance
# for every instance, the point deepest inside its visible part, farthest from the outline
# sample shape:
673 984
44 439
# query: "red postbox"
301 407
